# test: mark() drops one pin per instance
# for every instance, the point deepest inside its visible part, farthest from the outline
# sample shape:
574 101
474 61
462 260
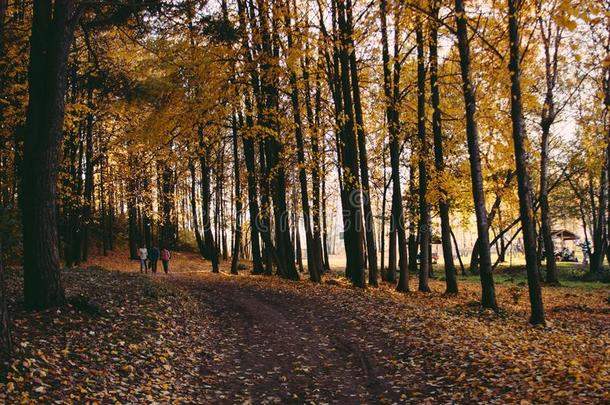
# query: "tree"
270 121
369 227
353 214
237 241
53 27
488 299
391 90
439 158
523 180
425 235
314 258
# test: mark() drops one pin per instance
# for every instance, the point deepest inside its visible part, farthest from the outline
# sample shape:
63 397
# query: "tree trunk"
547 117
352 227
599 223
88 197
132 213
317 171
412 208
314 258
552 277
265 209
391 91
52 33
103 207
111 210
488 299
6 341
391 272
147 209
273 147
70 200
523 181
249 145
198 238
495 208
457 251
313 116
334 83
384 272
211 252
599 218
324 224
237 181
439 159
167 237
298 248
369 225
425 234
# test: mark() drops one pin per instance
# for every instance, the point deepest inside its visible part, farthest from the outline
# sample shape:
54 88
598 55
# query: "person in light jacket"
143 255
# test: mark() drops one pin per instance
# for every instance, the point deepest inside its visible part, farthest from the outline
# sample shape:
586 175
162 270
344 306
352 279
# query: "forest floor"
198 337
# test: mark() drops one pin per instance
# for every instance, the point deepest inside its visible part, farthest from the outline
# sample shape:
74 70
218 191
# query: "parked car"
566 255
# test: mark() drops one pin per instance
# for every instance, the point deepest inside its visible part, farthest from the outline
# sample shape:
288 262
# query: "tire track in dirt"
274 347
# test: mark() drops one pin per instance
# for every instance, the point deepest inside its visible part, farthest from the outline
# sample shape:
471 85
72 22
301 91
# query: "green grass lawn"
570 275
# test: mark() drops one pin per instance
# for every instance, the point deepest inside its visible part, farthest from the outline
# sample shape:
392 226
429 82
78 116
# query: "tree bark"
391 92
495 208
249 145
88 197
384 271
273 147
198 237
457 251
167 237
132 213
52 33
488 299
319 205
6 341
369 225
439 158
523 180
392 256
324 224
208 237
353 225
547 117
334 83
313 117
237 183
599 219
314 258
425 233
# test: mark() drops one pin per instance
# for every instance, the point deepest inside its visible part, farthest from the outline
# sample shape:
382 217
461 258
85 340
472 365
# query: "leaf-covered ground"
133 339
195 337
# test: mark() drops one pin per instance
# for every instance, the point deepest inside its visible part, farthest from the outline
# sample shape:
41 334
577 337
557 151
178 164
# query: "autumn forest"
386 201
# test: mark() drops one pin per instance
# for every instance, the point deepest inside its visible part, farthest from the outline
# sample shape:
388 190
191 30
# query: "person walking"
143 255
153 258
165 256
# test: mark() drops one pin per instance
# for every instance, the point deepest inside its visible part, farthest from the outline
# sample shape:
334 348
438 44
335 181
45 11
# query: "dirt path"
197 337
276 347
275 341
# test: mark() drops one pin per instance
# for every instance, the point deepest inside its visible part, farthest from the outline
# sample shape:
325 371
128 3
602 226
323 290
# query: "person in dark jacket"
153 257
